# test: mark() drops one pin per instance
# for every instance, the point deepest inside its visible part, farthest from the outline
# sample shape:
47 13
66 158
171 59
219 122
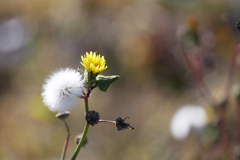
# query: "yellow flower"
93 63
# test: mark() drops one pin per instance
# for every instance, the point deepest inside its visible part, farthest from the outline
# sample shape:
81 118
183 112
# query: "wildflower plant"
64 87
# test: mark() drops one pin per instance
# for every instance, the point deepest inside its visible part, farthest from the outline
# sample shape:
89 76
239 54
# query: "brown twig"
202 87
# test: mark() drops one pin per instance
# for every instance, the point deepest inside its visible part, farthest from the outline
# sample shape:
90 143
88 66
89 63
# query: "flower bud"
78 139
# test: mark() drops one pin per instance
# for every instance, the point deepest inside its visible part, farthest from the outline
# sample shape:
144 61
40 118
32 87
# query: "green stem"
86 104
80 144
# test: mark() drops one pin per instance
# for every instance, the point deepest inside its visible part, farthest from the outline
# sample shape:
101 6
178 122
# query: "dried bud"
63 115
121 125
208 61
92 117
79 137
238 24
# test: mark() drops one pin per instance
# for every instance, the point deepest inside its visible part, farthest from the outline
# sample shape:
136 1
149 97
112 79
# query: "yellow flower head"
93 63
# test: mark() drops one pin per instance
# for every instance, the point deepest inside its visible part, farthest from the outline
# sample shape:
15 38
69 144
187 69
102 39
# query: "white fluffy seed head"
187 118
61 89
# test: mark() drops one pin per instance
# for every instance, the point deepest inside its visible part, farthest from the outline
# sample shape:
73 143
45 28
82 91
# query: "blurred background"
141 41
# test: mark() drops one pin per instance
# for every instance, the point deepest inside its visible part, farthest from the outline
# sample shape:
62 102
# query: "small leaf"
104 82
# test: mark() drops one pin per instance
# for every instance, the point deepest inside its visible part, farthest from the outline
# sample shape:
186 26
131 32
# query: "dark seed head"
92 117
121 125
63 115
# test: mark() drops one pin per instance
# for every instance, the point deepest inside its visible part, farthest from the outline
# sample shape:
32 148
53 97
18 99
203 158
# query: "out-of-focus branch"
201 86
231 71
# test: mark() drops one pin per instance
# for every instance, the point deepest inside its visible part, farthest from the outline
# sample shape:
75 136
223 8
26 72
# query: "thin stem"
114 122
65 122
66 141
238 118
202 87
80 144
231 72
65 147
86 104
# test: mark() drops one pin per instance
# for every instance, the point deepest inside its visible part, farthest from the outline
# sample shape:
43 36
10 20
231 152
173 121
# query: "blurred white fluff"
187 118
61 89
13 35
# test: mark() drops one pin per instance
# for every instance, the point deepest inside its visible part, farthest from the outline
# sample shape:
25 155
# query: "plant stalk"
80 144
66 141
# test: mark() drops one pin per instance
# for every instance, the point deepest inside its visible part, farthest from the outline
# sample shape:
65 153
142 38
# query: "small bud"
79 137
121 125
63 115
192 33
92 117
192 22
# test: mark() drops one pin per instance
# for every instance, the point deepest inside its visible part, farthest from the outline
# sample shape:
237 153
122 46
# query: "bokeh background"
140 40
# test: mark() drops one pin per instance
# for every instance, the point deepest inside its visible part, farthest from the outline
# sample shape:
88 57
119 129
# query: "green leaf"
104 82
